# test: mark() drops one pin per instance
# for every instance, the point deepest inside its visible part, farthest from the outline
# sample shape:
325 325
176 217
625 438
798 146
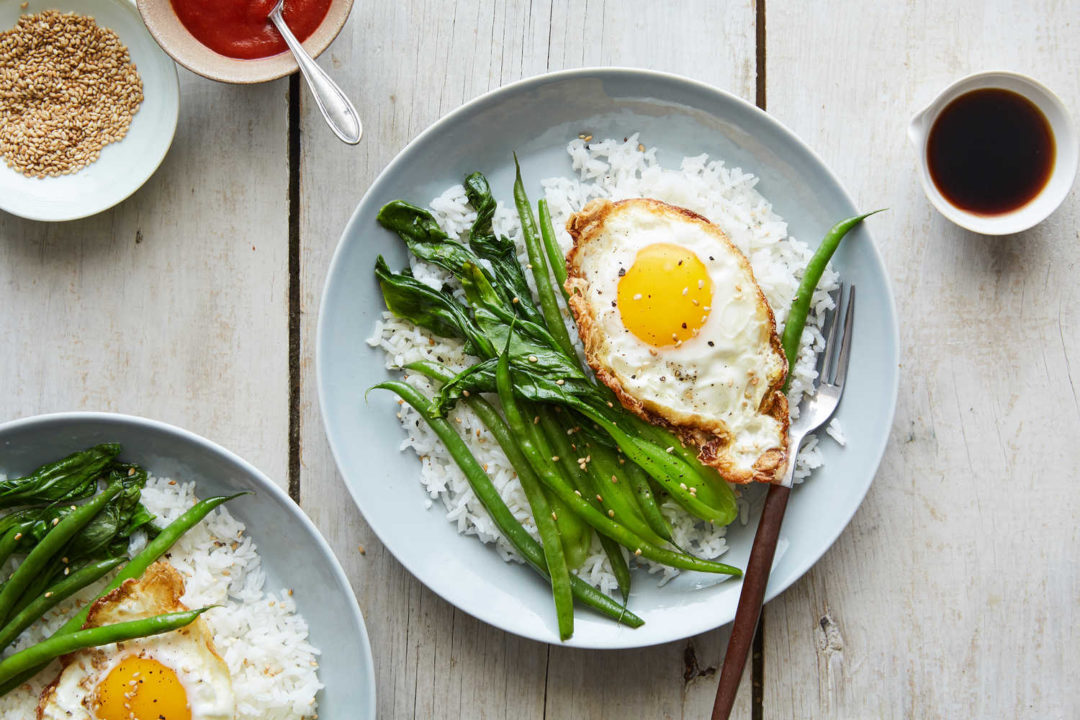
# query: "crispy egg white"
674 322
172 676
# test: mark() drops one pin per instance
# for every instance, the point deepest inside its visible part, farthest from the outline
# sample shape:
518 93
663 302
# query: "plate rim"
602 72
172 89
269 486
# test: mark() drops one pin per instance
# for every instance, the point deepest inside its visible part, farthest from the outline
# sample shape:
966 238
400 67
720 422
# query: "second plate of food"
608 134
284 638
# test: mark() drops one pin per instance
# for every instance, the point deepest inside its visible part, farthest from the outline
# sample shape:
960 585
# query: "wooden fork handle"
750 599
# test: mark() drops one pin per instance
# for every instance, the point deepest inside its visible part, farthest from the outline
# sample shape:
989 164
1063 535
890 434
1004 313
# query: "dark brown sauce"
990 151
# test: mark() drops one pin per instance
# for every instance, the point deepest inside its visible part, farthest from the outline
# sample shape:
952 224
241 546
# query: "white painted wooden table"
954 592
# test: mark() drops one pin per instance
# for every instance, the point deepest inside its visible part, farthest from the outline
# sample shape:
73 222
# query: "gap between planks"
294 287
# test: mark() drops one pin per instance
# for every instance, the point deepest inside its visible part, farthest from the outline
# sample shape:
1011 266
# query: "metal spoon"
340 114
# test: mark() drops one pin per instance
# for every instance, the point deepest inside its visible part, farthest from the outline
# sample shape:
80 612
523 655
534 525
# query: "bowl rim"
45 420
405 155
1066 152
212 65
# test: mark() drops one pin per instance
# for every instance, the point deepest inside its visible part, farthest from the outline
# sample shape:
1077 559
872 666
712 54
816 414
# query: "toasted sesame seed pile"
68 88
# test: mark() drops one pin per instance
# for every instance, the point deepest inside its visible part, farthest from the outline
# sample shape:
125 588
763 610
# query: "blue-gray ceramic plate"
536 118
294 554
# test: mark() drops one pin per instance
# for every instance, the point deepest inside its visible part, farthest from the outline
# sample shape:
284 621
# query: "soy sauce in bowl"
990 151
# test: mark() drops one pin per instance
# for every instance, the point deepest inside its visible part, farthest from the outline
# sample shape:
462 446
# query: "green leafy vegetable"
72 478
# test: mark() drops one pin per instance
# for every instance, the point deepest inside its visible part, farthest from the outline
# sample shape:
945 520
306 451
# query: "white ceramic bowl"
123 166
294 554
1065 159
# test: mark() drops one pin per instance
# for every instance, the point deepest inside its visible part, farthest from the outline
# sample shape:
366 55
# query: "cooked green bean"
56 593
602 464
800 304
153 550
46 650
639 483
581 482
542 515
551 245
549 304
700 497
605 524
485 491
133 570
49 546
8 541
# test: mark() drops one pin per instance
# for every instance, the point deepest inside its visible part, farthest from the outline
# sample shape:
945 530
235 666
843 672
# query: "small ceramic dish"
123 166
1065 154
294 555
185 49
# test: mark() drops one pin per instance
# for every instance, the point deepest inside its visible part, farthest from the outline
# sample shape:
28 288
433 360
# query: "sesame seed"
68 90
361 550
48 594
588 138
465 393
685 290
554 458
533 358
554 516
536 420
55 521
599 499
515 301
637 296
614 479
683 486
638 552
641 147
670 449
560 381
18 536
611 513
578 493
700 284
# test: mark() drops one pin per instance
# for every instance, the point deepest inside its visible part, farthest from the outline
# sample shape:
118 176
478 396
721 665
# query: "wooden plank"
406 64
172 305
954 591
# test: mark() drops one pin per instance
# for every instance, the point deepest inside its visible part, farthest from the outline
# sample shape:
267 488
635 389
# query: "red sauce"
240 28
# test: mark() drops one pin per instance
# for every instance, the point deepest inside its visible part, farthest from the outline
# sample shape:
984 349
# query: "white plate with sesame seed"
124 165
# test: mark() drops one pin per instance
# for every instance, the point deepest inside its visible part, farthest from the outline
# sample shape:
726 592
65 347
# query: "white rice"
611 169
258 633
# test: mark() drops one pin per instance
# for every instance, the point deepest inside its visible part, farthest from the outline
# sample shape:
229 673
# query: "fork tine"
829 354
826 326
845 343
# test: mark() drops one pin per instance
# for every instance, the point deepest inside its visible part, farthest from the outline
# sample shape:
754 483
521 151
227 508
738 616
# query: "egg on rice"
675 324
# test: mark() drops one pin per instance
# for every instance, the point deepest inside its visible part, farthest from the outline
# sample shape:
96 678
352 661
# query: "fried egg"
173 676
675 324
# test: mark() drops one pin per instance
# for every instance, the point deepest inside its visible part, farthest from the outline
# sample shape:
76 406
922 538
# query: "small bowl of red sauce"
233 41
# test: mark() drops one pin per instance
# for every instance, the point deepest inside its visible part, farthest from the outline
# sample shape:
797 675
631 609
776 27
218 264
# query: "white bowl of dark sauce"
997 152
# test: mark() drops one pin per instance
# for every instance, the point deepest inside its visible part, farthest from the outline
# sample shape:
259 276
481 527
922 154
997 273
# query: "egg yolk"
665 296
143 689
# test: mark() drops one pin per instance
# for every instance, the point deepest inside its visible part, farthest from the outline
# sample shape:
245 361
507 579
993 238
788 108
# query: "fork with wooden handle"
815 412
